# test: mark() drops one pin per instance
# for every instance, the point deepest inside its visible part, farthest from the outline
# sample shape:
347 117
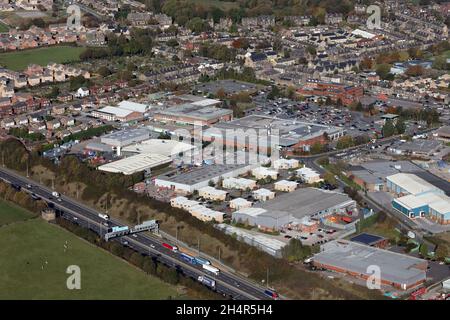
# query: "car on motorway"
152 246
29 186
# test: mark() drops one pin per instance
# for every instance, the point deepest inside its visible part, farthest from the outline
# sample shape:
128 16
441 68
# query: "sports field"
19 60
34 256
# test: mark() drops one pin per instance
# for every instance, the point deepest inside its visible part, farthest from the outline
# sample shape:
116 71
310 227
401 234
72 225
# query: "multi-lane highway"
227 283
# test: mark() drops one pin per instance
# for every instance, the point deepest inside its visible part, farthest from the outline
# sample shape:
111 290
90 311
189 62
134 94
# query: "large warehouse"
188 182
263 132
164 147
202 112
291 208
122 138
136 163
419 198
397 270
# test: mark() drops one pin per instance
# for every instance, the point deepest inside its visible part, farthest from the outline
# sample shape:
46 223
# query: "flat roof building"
124 138
265 243
199 112
255 132
135 163
397 270
164 147
197 178
291 208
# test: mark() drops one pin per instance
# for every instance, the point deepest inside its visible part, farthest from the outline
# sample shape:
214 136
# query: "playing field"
10 213
33 263
19 60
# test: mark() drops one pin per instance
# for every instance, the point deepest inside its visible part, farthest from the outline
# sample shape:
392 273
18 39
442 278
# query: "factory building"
122 138
263 133
197 178
355 259
418 198
204 112
291 208
137 163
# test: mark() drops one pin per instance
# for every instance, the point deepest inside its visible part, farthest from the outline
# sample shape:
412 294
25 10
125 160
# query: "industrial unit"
122 138
419 198
256 132
291 208
135 163
204 112
197 178
355 259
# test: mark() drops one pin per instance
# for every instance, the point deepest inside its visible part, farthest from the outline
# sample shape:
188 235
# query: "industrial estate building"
122 138
288 209
170 148
261 133
196 209
267 244
418 198
203 112
137 163
200 177
355 259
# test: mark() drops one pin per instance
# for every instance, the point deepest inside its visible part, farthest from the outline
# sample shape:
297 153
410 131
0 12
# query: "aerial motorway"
224 282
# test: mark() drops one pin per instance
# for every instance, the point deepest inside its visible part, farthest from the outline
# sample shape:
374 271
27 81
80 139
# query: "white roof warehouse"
135 163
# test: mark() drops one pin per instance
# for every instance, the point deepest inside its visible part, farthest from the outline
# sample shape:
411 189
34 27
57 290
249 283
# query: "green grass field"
10 213
33 263
19 60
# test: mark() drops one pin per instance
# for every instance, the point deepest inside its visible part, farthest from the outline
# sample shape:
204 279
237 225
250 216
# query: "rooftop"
160 146
289 131
135 163
305 202
125 135
197 112
355 257
411 183
200 174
